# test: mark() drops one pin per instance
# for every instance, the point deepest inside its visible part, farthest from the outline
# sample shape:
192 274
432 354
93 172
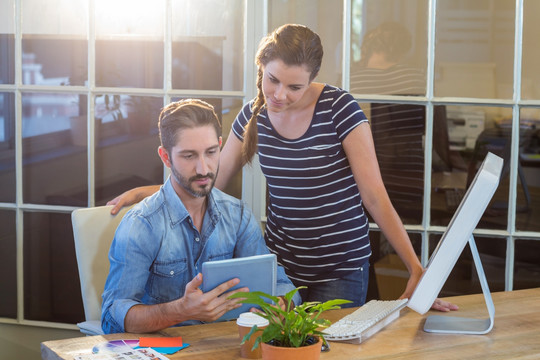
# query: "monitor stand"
461 325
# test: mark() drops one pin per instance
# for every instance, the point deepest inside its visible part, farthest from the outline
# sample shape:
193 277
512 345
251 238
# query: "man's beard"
187 184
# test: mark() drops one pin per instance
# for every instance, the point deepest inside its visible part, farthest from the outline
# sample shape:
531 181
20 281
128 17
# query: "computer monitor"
443 259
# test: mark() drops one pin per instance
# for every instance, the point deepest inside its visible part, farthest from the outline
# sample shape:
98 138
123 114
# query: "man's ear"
164 155
220 141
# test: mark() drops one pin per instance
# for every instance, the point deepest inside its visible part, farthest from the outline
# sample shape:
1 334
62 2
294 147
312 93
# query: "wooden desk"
516 335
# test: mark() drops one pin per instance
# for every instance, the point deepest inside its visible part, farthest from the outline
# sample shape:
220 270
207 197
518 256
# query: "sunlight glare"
130 17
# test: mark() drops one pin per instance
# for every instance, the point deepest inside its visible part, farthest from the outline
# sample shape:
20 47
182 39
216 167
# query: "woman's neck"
294 122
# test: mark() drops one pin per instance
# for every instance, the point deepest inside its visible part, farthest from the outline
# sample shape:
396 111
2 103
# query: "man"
160 244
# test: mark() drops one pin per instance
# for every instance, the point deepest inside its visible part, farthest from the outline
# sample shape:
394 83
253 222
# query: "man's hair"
390 38
185 114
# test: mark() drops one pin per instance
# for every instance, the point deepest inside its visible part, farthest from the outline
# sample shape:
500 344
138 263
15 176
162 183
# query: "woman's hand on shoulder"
131 197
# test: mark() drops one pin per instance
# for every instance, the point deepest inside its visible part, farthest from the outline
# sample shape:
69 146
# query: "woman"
316 152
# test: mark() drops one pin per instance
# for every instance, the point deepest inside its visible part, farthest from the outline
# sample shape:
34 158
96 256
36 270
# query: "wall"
24 342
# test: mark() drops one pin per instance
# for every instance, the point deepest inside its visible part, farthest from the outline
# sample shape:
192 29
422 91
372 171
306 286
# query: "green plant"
293 327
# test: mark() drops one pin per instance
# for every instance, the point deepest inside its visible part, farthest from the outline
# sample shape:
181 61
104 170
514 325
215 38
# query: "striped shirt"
316 224
396 80
398 134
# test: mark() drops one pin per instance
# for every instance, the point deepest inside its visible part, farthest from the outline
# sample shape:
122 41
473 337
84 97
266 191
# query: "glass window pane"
8 265
227 110
46 113
322 16
526 267
388 274
474 49
124 62
398 131
51 279
7 147
50 148
463 279
7 48
65 65
129 43
208 46
127 142
530 72
528 184
472 131
388 47
7 59
54 46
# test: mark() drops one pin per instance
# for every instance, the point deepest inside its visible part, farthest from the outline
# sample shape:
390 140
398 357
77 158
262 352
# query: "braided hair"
295 45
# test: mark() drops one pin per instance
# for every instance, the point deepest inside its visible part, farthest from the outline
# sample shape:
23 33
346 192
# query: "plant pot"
310 352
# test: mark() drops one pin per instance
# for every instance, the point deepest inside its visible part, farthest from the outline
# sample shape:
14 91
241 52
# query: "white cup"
245 322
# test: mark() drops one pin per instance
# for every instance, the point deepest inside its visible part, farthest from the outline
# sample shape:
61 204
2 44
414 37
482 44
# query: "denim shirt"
157 250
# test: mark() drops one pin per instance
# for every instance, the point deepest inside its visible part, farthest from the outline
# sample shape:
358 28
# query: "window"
440 101
87 121
80 95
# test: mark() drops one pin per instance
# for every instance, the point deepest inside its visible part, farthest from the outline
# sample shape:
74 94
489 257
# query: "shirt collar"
178 212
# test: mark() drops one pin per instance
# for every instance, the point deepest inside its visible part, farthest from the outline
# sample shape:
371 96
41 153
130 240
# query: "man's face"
194 161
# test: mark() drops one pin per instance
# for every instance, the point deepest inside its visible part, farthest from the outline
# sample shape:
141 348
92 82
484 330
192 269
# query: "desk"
516 335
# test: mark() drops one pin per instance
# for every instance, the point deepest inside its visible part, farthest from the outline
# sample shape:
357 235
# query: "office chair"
498 141
93 231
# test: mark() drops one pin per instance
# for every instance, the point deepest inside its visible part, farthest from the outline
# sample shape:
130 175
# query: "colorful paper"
154 342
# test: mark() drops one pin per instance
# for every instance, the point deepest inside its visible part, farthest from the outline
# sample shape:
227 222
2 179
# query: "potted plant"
295 329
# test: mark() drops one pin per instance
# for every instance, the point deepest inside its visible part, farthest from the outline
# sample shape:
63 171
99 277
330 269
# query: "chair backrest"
93 230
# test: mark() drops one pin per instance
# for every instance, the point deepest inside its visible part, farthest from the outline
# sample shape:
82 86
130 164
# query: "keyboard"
366 321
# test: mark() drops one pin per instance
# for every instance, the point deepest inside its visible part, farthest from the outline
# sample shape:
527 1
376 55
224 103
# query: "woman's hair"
295 45
183 114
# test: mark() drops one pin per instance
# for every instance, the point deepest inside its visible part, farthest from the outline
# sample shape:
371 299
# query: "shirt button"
197 239
172 272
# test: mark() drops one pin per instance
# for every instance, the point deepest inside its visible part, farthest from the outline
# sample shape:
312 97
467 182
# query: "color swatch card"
133 354
122 350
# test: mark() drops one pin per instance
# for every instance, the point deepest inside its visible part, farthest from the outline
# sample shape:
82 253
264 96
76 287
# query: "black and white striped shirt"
316 223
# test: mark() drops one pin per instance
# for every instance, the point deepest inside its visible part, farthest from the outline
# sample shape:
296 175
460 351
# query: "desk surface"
516 335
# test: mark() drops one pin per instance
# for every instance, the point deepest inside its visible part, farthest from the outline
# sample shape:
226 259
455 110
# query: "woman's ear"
164 155
220 142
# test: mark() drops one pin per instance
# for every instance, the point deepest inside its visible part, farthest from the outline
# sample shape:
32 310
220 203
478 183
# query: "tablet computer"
258 273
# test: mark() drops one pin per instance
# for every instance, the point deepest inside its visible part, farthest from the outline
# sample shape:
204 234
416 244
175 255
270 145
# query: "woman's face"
283 85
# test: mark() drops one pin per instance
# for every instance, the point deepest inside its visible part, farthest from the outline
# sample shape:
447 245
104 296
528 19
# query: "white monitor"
458 233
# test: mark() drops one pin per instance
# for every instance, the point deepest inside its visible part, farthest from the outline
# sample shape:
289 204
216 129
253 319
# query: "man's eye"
187 157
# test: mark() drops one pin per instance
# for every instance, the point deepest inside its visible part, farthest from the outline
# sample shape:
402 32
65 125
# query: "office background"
82 82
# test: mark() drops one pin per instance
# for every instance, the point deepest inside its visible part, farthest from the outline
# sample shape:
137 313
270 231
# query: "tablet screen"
258 273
